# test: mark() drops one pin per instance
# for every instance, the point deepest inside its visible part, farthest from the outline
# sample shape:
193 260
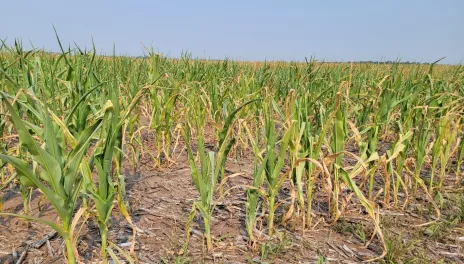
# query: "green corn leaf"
113 256
54 226
51 144
49 164
193 167
274 175
132 105
75 157
228 122
23 168
222 157
123 253
354 188
82 99
339 135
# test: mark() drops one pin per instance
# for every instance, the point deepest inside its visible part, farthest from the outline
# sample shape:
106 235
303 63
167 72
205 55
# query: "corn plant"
338 143
397 152
436 148
252 203
298 153
403 119
107 159
211 167
274 163
451 130
421 140
58 178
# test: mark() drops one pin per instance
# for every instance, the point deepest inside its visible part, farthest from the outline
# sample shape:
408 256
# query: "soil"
161 200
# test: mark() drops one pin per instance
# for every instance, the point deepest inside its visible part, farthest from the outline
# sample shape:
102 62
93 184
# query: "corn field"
361 139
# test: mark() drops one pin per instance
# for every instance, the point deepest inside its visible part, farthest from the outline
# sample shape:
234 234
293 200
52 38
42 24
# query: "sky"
349 30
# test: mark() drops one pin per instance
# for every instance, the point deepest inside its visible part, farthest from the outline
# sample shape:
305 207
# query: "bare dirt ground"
161 201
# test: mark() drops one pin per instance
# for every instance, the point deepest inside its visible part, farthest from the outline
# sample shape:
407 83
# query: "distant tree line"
391 62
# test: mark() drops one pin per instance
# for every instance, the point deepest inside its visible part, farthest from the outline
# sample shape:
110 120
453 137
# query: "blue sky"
412 30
